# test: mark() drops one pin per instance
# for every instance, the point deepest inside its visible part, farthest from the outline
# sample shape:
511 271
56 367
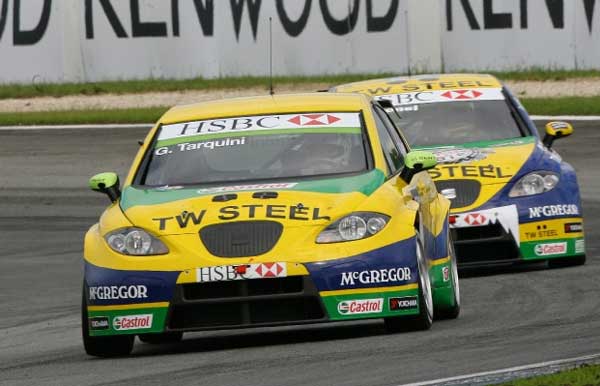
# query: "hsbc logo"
132 322
476 219
314 119
361 306
551 249
462 94
241 272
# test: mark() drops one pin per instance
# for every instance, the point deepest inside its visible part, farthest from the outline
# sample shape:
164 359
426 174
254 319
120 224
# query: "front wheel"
424 319
103 346
453 311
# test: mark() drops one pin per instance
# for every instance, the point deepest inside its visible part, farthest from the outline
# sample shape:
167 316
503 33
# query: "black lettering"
261 123
206 16
317 217
487 171
411 88
500 175
340 27
379 90
524 17
111 15
237 9
493 20
28 38
293 28
587 4
469 171
272 211
483 84
296 212
246 122
556 9
144 29
162 222
381 23
175 16
252 209
219 275
186 217
447 85
220 127
3 13
465 83
434 173
229 212
473 24
450 170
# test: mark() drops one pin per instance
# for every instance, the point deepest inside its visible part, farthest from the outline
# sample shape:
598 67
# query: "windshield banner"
440 96
242 125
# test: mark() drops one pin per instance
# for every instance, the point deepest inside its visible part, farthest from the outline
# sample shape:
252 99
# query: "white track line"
149 125
507 370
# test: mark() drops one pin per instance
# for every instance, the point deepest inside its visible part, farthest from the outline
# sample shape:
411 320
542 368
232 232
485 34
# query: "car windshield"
256 148
434 118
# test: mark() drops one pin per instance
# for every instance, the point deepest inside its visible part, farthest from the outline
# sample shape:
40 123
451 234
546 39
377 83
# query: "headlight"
355 226
135 241
534 183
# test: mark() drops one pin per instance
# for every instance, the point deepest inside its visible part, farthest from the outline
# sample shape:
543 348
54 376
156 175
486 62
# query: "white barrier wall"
92 40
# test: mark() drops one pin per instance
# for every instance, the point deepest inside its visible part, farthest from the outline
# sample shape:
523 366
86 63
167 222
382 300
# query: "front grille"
467 191
240 239
245 303
484 245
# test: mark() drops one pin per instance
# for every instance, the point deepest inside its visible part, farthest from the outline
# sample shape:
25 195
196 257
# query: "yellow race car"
267 211
514 199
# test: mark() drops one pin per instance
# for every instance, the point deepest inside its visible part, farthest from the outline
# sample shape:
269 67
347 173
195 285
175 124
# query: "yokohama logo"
363 306
551 249
132 322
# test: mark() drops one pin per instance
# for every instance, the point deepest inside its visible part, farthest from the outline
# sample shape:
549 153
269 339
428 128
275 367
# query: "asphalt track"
510 317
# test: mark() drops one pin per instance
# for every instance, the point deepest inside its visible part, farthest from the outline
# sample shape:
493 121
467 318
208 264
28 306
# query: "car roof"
265 105
426 82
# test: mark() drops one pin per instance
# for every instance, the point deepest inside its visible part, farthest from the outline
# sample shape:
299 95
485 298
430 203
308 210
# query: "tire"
166 337
424 319
564 262
454 311
103 346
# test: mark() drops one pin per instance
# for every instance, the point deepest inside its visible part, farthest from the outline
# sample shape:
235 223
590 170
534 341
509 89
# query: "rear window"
252 148
449 117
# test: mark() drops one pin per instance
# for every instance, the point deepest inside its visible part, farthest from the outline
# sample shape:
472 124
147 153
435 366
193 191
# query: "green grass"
586 375
156 85
535 106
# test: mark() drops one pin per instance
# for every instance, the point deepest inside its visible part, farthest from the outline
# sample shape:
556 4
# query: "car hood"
176 210
493 162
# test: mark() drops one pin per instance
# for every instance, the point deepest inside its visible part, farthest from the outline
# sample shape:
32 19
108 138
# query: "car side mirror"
555 130
417 161
107 183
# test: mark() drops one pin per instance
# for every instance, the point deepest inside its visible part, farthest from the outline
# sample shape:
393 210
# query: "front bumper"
377 284
500 235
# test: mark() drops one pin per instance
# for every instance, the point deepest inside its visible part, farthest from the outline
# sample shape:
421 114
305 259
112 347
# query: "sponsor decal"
542 232
441 96
241 272
375 276
445 274
460 155
553 211
580 246
211 145
476 219
250 211
469 171
234 188
116 292
403 303
551 249
132 322
573 227
239 125
99 323
507 216
360 306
